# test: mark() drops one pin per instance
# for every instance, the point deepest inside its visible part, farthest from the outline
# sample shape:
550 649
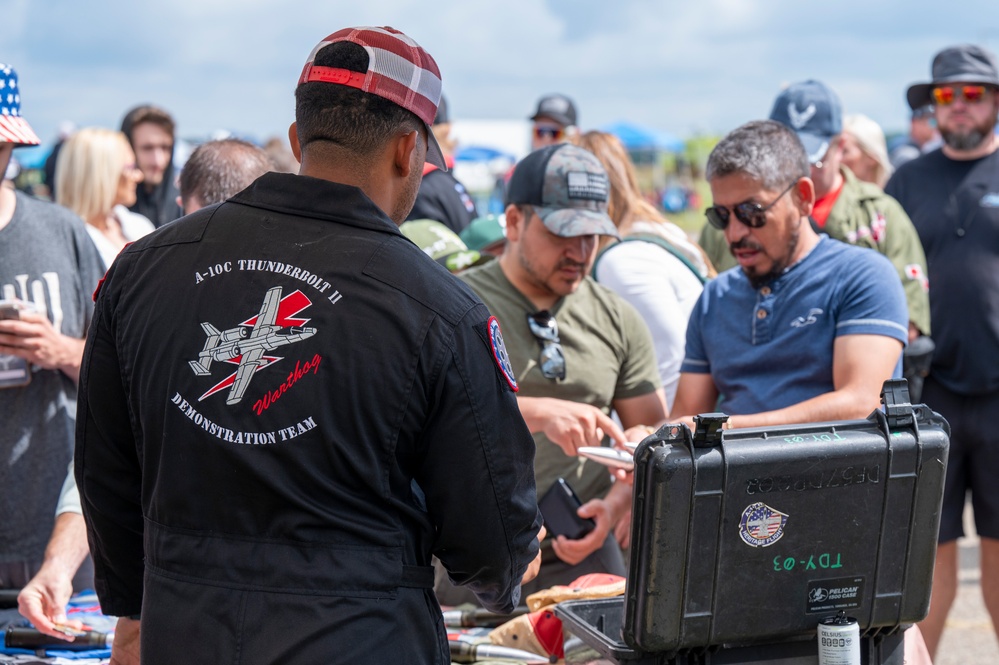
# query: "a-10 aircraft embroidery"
245 345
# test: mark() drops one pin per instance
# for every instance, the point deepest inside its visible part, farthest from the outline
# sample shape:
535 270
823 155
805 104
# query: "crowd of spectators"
827 264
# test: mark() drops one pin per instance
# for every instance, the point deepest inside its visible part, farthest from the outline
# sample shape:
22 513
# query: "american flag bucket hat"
399 70
13 128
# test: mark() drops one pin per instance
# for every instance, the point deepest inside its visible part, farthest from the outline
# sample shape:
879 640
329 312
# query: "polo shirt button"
761 313
765 291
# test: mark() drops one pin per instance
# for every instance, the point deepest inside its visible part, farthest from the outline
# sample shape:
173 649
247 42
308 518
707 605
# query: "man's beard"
971 139
547 283
757 280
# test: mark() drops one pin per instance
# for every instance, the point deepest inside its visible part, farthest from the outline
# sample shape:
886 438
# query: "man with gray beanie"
952 196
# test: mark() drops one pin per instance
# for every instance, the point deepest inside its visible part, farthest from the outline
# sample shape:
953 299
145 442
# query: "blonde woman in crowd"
663 274
865 151
97 176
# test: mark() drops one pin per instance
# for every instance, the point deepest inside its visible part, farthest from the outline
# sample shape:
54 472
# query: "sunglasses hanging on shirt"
545 329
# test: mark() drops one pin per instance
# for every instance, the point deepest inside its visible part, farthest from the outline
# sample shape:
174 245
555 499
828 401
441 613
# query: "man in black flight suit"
286 407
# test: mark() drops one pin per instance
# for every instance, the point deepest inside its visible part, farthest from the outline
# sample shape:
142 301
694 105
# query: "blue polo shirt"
772 347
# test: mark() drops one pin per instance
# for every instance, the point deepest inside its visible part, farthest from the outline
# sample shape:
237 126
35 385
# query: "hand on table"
43 602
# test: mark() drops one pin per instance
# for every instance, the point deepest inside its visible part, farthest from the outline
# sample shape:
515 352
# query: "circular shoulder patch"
500 355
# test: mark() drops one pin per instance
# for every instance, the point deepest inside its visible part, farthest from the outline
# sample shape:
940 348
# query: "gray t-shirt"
47 260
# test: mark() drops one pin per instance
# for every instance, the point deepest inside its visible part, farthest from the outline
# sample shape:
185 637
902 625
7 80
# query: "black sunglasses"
752 215
554 133
545 330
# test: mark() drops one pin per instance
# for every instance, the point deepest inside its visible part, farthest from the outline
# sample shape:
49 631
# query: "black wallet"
558 508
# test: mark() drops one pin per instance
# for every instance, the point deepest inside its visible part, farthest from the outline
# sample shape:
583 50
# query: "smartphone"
558 508
14 372
9 310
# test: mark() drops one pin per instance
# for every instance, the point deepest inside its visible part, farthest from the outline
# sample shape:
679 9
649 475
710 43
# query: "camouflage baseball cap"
568 188
441 244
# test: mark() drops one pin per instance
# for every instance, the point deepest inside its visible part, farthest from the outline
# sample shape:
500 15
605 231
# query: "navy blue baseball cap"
813 111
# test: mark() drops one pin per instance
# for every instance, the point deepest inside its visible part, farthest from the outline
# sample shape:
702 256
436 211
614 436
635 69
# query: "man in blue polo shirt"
806 328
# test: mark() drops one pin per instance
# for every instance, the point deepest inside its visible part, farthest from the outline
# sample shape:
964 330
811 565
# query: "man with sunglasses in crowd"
576 350
845 208
952 195
554 121
808 328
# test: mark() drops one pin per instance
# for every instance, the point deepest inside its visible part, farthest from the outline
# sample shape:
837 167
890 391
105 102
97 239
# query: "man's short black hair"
357 121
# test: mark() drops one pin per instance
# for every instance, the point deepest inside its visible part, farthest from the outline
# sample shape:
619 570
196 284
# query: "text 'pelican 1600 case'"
743 540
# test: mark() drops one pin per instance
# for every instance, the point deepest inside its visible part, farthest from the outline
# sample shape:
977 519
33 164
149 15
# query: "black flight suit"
285 409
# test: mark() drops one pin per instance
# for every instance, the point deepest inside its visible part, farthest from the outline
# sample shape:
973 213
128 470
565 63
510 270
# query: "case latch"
708 429
898 409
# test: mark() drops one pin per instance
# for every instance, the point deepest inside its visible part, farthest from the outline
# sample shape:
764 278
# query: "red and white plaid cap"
13 128
399 70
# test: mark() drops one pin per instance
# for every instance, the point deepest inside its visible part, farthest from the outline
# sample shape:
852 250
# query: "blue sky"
684 67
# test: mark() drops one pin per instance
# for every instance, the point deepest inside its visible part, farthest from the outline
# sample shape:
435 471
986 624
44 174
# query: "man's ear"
404 153
514 223
804 196
296 149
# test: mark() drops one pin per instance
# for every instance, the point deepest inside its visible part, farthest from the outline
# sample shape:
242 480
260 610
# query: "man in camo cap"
577 350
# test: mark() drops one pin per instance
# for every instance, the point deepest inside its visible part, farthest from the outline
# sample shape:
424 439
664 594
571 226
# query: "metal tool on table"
8 598
480 618
463 652
22 637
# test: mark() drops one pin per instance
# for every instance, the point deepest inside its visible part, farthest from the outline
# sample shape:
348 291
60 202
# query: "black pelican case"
743 540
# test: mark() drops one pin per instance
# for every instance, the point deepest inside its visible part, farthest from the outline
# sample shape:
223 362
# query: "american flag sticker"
761 525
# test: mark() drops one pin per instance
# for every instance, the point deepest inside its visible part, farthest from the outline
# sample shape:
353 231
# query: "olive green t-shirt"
608 355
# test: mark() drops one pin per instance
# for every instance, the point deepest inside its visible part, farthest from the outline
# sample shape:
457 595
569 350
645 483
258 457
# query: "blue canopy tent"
648 148
476 153
637 138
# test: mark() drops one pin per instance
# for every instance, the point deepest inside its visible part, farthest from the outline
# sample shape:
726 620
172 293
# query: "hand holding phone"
558 508
14 371
9 310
